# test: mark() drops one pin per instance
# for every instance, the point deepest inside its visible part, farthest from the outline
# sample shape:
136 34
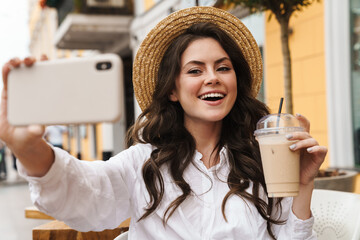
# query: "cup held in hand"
281 165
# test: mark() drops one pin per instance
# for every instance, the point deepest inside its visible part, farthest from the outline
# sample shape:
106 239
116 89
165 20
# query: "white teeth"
212 95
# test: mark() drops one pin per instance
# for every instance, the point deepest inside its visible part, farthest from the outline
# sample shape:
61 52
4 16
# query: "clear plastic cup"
281 165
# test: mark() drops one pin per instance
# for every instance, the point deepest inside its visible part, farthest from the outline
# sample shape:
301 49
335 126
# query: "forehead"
203 48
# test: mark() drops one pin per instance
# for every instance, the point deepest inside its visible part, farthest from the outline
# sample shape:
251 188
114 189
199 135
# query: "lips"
212 96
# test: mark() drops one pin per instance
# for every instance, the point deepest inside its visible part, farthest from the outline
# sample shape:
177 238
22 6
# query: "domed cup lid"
276 123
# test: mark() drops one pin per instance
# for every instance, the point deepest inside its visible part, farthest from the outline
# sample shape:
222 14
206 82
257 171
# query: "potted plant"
336 179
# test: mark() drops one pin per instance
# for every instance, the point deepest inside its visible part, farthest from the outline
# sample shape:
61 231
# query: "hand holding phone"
9 134
25 142
66 91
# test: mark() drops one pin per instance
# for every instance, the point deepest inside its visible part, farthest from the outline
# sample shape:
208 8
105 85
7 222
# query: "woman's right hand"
15 136
25 142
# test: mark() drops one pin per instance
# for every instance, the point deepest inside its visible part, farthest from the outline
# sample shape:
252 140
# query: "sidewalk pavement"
14 198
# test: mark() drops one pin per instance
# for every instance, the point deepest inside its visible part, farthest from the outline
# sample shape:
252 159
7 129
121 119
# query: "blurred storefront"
75 28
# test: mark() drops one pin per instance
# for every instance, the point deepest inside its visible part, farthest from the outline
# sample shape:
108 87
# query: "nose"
212 78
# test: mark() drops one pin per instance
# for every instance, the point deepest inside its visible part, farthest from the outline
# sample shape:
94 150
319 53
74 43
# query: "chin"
217 118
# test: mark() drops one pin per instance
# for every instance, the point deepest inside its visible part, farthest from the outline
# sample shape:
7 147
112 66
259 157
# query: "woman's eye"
194 71
222 69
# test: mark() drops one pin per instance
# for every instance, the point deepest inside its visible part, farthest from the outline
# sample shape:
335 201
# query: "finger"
304 123
307 143
3 104
3 114
320 150
15 62
319 153
44 57
5 72
29 61
298 136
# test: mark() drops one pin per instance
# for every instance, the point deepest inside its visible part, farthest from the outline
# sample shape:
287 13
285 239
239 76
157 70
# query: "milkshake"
281 165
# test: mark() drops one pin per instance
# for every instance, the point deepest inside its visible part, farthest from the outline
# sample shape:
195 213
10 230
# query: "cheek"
188 87
233 88
232 84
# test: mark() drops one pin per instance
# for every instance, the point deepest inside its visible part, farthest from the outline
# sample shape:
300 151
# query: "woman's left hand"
311 156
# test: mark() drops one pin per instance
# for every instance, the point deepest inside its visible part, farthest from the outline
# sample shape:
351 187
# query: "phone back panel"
66 91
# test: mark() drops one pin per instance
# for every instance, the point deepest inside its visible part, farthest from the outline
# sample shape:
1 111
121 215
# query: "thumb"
304 122
36 130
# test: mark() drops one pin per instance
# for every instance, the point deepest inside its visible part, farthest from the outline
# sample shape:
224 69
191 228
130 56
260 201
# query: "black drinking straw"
280 106
279 112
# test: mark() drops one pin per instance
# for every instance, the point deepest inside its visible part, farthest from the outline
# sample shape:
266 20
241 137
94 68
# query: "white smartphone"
66 91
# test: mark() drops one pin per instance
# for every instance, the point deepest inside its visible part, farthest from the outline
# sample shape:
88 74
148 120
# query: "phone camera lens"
103 66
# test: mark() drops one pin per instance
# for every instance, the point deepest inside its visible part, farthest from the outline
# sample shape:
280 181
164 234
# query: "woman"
194 169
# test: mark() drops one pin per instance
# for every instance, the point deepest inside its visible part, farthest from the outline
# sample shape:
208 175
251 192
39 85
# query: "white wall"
338 79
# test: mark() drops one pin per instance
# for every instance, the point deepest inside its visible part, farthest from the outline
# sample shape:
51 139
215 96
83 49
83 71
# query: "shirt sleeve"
87 196
294 228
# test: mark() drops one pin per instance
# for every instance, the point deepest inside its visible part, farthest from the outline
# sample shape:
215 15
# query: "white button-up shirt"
92 196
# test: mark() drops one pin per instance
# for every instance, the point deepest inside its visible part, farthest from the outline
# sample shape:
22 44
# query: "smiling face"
206 86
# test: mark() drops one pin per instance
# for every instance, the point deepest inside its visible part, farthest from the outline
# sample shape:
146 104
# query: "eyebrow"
202 63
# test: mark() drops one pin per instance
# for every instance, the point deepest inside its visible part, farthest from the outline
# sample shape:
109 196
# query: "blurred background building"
325 48
67 28
324 44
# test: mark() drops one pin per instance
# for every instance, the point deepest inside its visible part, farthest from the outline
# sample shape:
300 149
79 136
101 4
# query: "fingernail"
289 136
310 149
292 147
298 115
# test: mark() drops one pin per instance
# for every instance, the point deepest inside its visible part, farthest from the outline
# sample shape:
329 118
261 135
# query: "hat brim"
153 47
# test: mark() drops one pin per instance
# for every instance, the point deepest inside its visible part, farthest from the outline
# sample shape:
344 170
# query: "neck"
207 136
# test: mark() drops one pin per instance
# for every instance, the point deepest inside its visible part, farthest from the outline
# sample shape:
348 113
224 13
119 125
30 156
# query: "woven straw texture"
152 49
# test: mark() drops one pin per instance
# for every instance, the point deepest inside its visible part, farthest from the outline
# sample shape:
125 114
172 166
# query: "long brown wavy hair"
162 125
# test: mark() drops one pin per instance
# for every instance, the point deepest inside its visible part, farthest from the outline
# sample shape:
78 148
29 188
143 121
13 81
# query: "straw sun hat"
152 49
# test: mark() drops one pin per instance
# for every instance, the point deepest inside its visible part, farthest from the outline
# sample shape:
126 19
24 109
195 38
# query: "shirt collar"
223 159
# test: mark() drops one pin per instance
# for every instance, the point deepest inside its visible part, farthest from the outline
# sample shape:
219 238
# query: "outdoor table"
33 212
59 230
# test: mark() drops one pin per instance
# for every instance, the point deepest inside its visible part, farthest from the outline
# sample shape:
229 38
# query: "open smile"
212 96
